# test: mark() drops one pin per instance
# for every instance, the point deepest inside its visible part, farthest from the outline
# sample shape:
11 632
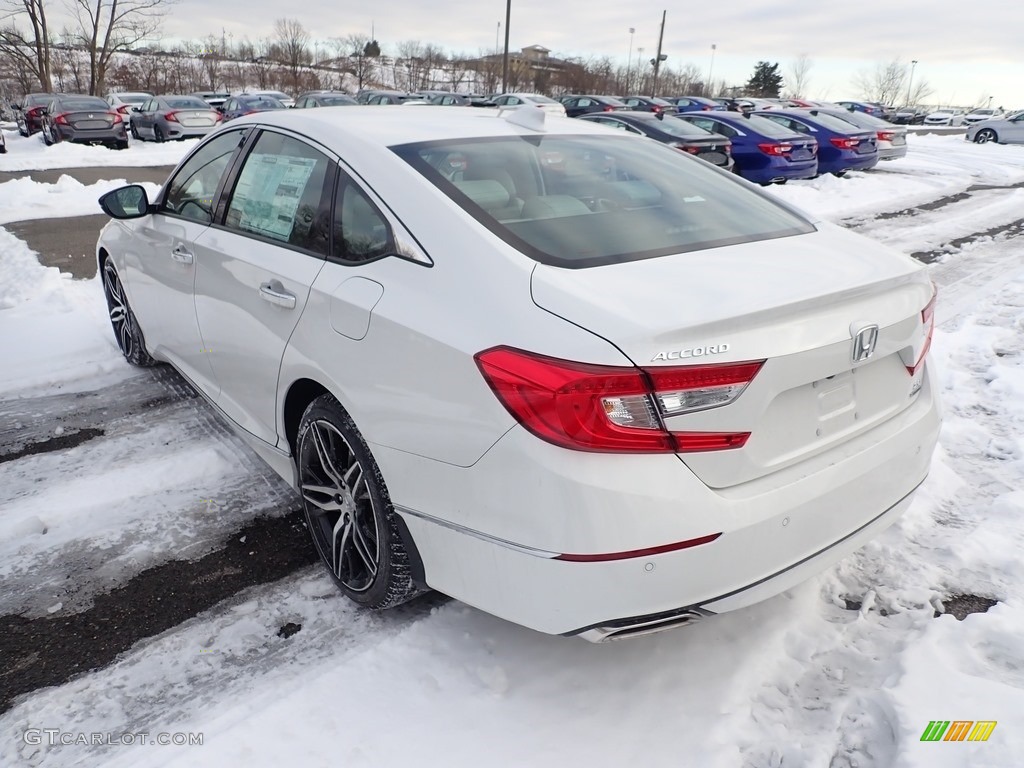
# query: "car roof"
372 126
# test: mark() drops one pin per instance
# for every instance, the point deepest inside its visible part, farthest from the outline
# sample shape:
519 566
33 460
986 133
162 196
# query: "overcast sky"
965 50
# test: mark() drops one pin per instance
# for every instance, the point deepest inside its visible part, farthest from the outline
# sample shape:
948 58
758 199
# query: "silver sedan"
162 118
1008 130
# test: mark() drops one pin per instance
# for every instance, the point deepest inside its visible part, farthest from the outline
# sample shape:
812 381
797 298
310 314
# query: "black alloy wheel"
135 132
158 134
348 510
985 135
126 328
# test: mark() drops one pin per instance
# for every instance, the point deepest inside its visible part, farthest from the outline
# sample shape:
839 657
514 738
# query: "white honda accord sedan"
575 378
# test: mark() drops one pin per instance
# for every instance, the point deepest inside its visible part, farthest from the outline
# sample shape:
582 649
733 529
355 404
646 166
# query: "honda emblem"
864 341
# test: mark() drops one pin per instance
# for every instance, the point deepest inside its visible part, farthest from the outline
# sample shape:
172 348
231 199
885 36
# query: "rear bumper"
92 137
893 153
848 161
490 535
754 168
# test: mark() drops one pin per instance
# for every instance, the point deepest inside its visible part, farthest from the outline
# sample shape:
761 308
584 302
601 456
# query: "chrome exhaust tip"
630 628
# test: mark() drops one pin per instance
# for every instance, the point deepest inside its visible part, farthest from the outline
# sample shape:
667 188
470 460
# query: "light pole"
640 68
711 68
913 65
497 38
504 59
629 61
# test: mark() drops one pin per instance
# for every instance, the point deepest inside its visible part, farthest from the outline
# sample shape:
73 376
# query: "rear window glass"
187 102
582 201
673 126
835 123
73 105
765 127
335 100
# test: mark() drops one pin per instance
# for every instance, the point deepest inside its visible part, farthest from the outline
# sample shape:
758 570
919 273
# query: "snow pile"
26 199
31 154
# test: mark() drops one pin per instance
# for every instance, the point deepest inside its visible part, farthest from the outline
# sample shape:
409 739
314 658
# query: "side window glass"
361 232
190 193
283 193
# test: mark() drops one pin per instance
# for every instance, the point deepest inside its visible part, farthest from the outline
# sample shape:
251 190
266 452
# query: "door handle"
181 254
280 297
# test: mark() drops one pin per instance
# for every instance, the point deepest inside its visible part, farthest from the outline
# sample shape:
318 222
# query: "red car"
29 113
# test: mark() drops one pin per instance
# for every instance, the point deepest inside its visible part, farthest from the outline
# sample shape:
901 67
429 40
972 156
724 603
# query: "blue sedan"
842 146
764 151
696 104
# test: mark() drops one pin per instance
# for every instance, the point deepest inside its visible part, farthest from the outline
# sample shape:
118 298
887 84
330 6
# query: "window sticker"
268 193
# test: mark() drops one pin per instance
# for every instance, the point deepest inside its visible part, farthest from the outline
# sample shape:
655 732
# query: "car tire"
135 132
46 138
126 328
985 135
121 144
349 514
158 134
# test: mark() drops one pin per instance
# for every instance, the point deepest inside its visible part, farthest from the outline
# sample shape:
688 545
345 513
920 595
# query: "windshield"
582 201
332 101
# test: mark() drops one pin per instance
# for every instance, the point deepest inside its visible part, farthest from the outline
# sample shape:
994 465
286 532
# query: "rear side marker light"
606 557
613 409
928 321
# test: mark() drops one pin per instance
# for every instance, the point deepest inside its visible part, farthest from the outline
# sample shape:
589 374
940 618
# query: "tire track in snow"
166 480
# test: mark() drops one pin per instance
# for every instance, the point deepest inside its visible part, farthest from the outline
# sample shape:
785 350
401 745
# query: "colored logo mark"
958 730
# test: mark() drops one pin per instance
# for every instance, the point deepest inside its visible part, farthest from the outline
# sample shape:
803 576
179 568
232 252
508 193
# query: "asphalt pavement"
70 243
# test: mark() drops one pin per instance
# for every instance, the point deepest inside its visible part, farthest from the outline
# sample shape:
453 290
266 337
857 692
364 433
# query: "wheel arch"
301 393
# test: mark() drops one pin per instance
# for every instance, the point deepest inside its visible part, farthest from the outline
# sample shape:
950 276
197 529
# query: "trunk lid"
795 302
87 120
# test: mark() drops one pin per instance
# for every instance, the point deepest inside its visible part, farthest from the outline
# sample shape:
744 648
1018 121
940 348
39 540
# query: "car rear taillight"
706 108
217 116
688 148
844 143
123 109
775 150
928 321
61 119
609 108
116 118
611 409
171 117
656 109
886 135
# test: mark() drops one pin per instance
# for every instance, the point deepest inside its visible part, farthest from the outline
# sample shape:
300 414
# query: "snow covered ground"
845 670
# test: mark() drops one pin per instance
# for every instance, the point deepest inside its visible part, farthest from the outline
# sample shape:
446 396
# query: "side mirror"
128 202
136 109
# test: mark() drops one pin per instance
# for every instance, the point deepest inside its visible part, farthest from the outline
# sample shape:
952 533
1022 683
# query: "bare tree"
106 27
30 50
799 76
292 41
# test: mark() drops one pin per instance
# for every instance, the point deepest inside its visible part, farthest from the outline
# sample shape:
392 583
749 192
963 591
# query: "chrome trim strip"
477 534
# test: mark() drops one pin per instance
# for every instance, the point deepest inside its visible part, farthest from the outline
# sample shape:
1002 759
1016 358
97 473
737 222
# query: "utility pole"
629 62
660 57
504 60
913 65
